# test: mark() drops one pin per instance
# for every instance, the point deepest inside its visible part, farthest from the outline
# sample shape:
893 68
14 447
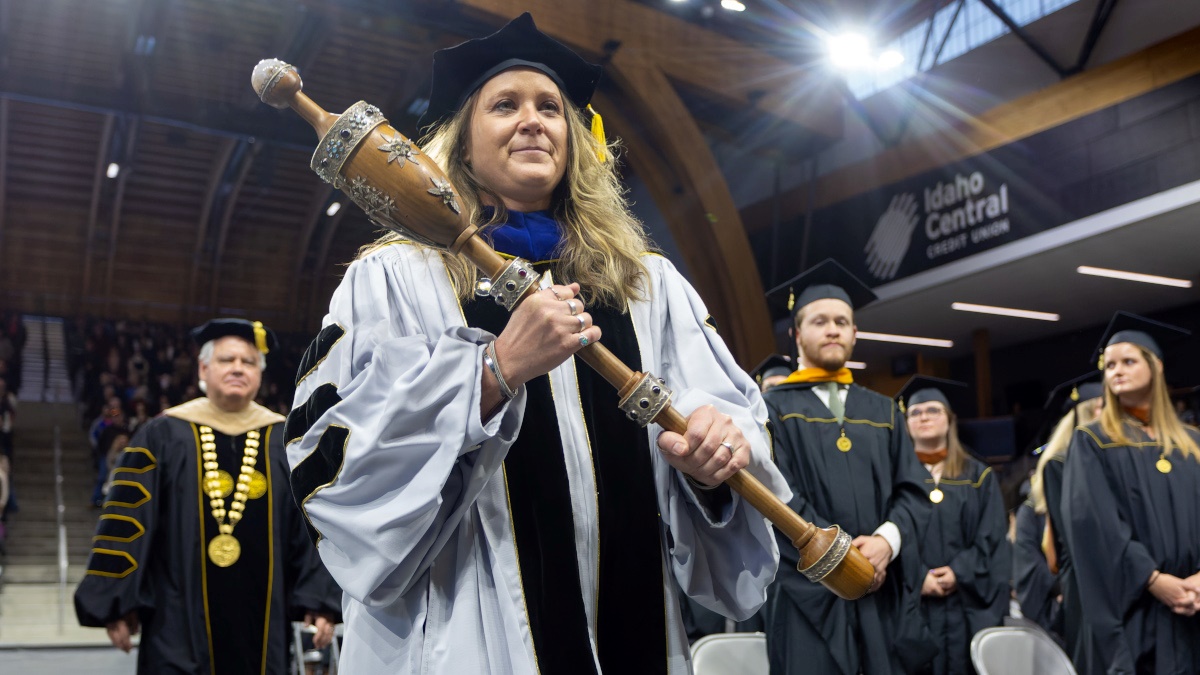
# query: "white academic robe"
414 524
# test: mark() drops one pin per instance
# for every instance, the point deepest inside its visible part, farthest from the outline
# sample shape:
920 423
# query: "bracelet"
698 485
1153 578
493 364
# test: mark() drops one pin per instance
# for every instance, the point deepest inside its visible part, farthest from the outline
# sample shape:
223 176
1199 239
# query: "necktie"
835 401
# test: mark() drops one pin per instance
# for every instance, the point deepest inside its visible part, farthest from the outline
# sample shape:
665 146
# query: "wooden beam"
226 218
219 167
114 230
981 341
3 169
100 174
703 219
730 71
1152 68
316 211
322 259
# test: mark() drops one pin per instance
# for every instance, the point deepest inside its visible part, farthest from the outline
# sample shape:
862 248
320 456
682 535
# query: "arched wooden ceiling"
214 210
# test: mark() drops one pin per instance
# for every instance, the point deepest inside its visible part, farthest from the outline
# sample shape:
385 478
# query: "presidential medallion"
936 496
1163 465
224 550
844 444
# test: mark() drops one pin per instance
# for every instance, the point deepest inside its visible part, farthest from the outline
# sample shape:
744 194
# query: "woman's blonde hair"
602 240
1168 430
1060 439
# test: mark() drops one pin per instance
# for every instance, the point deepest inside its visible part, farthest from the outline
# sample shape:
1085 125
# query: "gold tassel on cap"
260 337
598 133
1075 394
791 299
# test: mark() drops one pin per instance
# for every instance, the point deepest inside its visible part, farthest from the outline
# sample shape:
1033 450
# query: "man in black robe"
845 454
201 543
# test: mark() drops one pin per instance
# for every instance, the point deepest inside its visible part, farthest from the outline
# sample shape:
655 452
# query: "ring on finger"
555 294
728 445
582 323
583 341
573 306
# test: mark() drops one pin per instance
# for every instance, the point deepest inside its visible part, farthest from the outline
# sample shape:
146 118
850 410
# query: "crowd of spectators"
12 340
127 372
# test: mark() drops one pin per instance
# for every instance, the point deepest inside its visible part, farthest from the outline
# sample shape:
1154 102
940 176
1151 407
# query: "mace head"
276 82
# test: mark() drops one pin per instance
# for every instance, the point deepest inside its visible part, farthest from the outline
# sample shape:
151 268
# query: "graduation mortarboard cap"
460 70
251 331
827 279
1074 391
1138 330
923 389
775 364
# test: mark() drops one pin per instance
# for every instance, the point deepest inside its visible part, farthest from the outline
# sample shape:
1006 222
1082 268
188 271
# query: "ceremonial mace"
404 191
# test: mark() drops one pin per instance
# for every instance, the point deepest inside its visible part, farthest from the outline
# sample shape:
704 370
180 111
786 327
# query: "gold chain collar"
224 550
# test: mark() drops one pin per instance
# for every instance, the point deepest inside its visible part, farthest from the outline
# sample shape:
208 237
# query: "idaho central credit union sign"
932 219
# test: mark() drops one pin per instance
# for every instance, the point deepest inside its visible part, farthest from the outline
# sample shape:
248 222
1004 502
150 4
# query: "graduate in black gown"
1081 398
201 545
845 454
1037 588
965 549
1131 508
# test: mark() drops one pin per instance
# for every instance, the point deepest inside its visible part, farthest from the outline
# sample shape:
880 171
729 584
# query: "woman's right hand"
543 331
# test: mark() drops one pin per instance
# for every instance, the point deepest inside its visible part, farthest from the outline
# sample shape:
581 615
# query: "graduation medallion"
936 496
844 444
224 550
1163 465
225 484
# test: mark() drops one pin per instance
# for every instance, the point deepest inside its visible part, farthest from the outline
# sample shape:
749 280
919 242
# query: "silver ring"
728 445
574 308
582 323
583 341
554 293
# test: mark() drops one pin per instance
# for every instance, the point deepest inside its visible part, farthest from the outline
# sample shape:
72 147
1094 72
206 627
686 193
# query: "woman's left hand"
710 451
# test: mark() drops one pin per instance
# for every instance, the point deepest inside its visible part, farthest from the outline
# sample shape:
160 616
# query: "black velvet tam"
460 70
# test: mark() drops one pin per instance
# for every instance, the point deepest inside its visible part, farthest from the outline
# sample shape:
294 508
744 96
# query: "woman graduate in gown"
475 490
1083 397
964 548
1131 508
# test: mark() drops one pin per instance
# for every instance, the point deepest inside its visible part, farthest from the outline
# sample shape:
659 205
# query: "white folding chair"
1014 650
730 654
312 655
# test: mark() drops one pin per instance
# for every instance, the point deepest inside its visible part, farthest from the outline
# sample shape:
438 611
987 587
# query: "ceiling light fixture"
905 339
113 170
733 5
856 365
333 208
849 51
1004 311
1133 276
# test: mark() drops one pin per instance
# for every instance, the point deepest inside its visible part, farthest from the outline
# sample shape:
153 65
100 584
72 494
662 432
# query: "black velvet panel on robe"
967 532
1124 519
238 594
631 615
